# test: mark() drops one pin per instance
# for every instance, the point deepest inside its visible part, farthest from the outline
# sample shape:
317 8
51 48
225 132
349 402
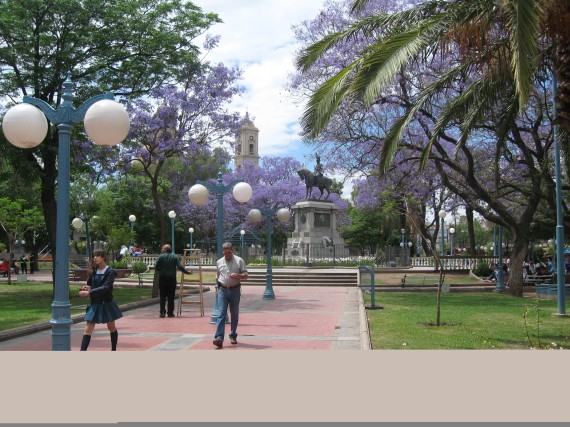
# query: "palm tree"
497 50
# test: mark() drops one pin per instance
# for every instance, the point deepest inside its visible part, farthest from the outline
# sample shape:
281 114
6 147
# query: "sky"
257 36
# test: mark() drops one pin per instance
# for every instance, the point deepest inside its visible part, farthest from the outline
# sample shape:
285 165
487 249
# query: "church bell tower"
247 144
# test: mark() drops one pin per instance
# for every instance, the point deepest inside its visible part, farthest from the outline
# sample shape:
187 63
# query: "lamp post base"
268 293
563 315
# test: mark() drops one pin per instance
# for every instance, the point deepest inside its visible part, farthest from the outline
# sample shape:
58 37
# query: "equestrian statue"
316 179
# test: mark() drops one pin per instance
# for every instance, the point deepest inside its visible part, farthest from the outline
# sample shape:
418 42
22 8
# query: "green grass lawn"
28 303
468 321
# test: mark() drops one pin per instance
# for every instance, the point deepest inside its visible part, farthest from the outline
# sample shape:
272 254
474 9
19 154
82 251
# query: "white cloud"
257 36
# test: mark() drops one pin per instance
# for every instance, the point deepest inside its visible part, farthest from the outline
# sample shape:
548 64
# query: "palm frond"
506 119
524 23
312 53
325 101
358 5
386 58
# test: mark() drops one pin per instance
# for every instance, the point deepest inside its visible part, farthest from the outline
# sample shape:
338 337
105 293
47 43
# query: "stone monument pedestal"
315 229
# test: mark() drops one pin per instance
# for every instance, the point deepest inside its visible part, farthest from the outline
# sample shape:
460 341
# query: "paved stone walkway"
300 318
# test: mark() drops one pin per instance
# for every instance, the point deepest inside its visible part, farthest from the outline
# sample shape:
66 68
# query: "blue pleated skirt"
103 313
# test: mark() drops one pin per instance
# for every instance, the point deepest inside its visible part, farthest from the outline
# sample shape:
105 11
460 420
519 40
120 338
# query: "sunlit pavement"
299 318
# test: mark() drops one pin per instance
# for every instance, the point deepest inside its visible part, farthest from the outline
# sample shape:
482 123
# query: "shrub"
119 264
482 270
139 267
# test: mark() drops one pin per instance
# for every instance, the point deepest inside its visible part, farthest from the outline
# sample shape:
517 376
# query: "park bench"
429 280
75 277
533 279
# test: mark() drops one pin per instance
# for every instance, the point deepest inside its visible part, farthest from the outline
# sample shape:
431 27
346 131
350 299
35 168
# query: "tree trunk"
470 230
518 256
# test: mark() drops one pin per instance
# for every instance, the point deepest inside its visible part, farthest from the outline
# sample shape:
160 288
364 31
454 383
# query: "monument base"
315 229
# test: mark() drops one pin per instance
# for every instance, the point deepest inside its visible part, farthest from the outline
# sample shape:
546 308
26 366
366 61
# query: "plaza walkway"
299 318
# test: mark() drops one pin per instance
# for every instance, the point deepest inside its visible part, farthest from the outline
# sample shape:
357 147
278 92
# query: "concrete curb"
365 342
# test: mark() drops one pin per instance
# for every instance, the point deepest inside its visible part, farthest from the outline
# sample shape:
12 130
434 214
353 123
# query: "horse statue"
311 180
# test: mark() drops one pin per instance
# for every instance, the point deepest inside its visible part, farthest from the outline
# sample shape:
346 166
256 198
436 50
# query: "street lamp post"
500 273
77 224
198 194
25 126
191 232
172 215
132 219
451 236
403 246
255 215
442 215
560 274
241 239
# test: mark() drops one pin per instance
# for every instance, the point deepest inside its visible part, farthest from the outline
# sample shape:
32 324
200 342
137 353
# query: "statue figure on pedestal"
316 179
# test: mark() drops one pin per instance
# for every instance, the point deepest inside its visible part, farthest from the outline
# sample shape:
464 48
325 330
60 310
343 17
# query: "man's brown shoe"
233 340
218 342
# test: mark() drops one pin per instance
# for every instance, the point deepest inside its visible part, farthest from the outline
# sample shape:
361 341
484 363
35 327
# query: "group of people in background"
543 267
131 251
13 266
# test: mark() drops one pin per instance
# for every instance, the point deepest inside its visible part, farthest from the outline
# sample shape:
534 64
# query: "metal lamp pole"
442 215
190 231
77 224
241 239
25 126
451 235
255 215
403 246
132 219
199 194
172 215
500 273
560 274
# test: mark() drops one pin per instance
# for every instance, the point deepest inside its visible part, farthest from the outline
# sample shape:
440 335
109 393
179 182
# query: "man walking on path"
230 272
166 265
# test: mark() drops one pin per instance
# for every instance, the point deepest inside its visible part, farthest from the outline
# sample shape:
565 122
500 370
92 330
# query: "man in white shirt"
230 272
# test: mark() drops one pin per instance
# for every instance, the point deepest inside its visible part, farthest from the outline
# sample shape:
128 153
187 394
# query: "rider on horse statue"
318 171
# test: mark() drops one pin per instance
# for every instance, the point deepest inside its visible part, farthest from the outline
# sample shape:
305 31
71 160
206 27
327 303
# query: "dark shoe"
171 315
218 342
162 315
233 340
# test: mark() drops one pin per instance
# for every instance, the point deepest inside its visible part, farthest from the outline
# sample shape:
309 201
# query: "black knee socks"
114 338
87 339
85 342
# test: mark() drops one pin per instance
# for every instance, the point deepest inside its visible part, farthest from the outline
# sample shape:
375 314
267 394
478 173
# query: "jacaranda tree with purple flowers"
173 132
275 183
450 86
